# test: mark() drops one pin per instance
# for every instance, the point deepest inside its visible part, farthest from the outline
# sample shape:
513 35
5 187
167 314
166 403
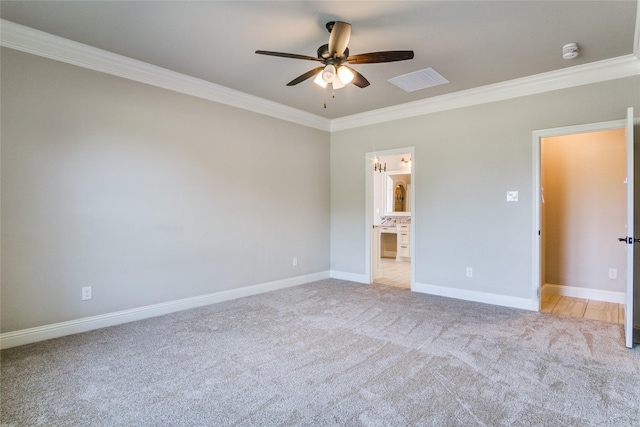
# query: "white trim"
536 136
40 333
631 219
483 297
575 292
593 72
351 277
25 39
536 229
636 38
368 218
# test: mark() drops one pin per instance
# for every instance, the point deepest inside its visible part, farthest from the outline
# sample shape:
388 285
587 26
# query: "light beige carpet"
330 353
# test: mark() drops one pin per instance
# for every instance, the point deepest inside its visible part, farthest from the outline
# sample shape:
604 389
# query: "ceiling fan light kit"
329 73
335 55
338 78
337 84
319 81
345 75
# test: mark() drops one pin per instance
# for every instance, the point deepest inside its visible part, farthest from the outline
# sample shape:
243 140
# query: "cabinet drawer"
404 251
403 237
388 230
404 227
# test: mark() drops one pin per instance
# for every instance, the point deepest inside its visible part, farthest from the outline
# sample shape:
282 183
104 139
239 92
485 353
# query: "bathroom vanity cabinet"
395 241
403 242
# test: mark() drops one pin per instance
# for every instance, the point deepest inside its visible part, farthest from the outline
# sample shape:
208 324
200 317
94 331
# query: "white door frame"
368 268
630 311
536 286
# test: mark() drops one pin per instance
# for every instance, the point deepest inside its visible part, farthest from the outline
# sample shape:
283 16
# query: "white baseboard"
352 277
575 292
41 333
484 297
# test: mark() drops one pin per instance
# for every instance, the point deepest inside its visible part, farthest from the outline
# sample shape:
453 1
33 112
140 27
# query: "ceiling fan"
335 55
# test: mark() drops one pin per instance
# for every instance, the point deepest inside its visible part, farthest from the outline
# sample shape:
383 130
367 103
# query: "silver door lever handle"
628 240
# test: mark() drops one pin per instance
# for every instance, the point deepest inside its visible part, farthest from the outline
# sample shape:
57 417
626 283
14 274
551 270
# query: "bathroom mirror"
397 193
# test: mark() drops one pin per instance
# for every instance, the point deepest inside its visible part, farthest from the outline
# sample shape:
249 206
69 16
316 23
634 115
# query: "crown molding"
26 39
636 38
593 72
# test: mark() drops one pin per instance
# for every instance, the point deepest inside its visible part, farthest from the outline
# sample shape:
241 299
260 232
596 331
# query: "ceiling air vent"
419 80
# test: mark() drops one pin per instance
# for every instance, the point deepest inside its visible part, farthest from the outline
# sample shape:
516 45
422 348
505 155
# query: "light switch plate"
512 196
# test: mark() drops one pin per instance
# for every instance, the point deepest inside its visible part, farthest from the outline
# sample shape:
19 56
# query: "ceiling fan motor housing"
323 52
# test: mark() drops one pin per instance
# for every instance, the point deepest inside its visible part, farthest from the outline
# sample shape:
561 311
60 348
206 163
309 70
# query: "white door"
629 239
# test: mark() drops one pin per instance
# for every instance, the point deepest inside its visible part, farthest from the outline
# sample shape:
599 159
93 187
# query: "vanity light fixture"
378 167
405 163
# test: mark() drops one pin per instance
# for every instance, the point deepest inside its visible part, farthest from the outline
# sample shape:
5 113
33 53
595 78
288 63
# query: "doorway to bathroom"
390 217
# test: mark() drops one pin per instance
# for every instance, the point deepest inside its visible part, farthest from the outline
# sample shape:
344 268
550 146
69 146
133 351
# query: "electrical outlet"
86 293
295 262
613 273
469 272
512 196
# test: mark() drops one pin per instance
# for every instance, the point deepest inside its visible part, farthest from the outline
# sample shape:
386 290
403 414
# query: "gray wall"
465 161
151 196
146 195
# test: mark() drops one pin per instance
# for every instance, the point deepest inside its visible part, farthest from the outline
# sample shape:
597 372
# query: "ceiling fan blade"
377 57
287 55
358 79
305 76
339 38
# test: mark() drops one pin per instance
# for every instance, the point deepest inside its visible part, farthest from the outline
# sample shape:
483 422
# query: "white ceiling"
471 43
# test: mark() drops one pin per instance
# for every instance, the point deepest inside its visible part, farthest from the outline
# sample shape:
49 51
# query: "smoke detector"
570 51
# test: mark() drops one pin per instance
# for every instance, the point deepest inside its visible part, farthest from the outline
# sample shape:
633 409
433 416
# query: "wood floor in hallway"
394 273
579 307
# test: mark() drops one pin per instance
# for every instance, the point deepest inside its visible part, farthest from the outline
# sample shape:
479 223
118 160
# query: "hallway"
610 312
394 273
